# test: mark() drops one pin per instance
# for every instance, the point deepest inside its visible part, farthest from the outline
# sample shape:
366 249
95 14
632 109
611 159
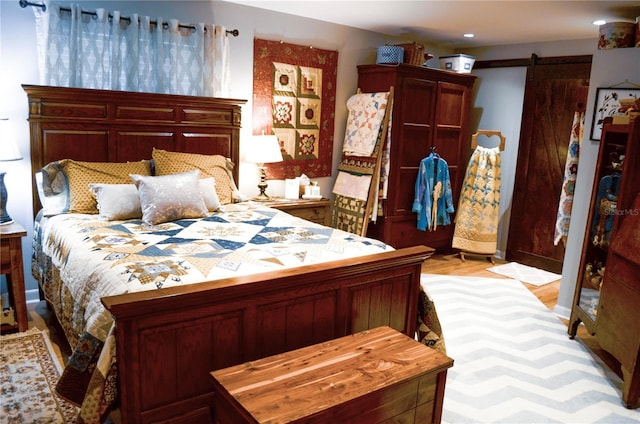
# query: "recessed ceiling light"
468 35
599 22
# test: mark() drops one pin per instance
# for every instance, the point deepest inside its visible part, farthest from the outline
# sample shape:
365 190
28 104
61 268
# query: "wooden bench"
368 377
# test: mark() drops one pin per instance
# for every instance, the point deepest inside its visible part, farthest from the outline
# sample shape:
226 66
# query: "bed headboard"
120 126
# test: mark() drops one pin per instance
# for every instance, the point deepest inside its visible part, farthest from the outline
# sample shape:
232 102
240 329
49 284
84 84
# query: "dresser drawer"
314 214
318 211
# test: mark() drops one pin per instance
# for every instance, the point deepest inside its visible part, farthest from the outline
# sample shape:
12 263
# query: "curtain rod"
25 3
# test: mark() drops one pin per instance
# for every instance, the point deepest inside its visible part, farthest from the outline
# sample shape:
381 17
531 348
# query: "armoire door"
415 130
555 89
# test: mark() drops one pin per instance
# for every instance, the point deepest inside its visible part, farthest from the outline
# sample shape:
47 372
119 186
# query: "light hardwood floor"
476 266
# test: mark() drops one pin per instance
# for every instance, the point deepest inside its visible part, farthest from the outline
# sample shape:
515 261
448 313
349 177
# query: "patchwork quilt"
80 259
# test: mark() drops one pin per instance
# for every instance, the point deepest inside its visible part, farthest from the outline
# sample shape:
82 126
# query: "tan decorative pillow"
81 174
215 166
170 197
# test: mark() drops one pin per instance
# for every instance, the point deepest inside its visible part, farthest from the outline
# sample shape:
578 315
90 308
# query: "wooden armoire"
431 110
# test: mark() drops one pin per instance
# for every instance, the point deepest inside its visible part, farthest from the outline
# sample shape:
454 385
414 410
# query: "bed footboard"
168 341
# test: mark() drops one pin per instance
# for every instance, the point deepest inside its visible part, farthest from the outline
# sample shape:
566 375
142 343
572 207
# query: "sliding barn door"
555 89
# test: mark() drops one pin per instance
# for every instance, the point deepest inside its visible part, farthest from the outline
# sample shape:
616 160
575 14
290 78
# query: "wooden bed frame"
169 340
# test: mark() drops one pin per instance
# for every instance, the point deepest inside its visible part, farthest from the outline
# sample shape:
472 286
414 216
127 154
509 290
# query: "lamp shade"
264 149
9 150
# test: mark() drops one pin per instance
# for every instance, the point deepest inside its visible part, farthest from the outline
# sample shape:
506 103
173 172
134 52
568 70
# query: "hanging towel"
569 182
476 226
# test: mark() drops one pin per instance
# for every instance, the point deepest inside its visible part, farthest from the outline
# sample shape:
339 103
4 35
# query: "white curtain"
105 51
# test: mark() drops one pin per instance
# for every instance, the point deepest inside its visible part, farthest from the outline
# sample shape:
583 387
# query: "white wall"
499 95
17 66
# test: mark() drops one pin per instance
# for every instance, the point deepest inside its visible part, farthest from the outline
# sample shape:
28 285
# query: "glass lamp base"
4 216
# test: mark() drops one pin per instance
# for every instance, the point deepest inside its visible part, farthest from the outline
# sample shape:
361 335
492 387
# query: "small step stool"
368 377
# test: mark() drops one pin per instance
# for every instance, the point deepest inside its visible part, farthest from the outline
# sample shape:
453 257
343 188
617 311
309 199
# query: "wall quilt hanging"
294 98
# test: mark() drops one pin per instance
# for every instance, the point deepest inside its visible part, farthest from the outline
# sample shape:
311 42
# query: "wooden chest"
369 377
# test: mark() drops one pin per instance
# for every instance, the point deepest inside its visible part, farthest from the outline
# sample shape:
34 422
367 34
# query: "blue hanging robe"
433 170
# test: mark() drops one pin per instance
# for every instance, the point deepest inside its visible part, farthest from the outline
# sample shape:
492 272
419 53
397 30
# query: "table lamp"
8 152
263 149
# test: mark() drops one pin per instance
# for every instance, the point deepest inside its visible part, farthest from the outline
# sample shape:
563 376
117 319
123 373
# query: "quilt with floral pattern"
294 97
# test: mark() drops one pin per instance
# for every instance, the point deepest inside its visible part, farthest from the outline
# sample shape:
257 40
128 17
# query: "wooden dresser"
431 110
370 377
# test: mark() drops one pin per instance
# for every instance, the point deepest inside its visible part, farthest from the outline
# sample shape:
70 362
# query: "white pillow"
117 201
122 201
53 203
209 194
170 197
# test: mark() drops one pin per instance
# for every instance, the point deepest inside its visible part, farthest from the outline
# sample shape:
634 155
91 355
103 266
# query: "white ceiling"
492 22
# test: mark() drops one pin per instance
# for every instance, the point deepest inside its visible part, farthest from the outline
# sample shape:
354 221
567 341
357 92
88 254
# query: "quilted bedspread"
79 259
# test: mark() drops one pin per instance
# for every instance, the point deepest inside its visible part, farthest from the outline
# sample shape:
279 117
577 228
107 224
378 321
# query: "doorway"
555 89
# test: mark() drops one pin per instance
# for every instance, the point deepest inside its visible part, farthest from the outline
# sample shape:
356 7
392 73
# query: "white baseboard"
562 311
33 296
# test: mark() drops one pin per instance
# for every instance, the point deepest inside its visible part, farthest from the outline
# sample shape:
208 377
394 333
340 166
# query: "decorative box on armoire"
431 109
607 295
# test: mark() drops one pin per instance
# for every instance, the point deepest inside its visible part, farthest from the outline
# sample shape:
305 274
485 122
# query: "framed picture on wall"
608 105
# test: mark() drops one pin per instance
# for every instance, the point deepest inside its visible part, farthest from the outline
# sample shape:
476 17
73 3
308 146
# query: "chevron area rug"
29 371
513 360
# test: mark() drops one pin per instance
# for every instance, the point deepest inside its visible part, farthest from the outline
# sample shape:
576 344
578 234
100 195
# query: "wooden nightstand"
11 266
318 211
